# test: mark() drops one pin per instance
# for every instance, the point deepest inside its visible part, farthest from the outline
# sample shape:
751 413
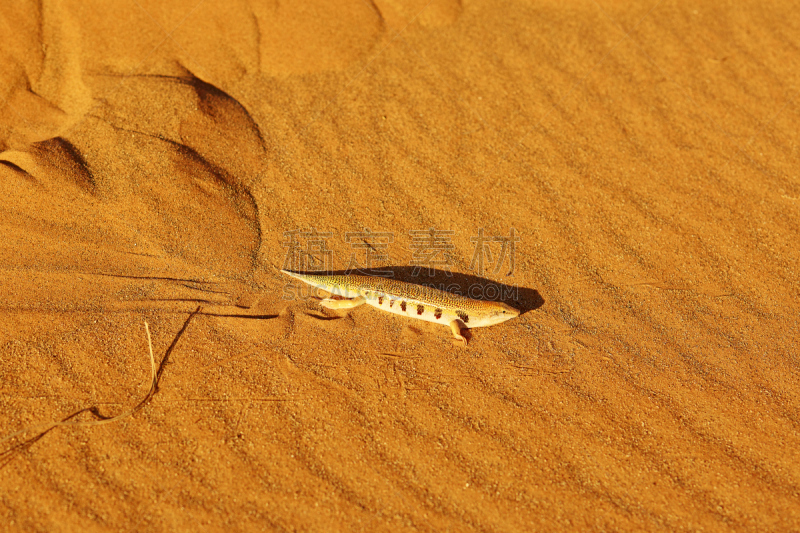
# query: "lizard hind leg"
455 327
330 303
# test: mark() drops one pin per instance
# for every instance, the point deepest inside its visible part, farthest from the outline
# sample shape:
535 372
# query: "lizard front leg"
455 327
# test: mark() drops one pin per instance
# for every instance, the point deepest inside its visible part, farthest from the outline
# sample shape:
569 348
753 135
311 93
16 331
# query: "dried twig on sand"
41 430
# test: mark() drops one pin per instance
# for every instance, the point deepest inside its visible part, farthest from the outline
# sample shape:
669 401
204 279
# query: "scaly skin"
408 299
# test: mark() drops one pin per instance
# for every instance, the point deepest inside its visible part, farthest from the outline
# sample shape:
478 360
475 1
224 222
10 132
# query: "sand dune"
159 159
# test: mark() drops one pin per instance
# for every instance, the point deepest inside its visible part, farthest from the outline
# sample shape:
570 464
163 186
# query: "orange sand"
152 159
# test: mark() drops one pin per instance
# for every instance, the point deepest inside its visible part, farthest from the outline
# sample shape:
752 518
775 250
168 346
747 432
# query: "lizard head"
496 313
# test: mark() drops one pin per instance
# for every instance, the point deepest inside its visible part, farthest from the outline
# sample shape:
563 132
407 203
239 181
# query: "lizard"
408 299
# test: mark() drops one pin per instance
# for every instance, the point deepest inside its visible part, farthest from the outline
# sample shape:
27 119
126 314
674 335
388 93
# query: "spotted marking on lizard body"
463 316
403 305
437 314
420 309
380 300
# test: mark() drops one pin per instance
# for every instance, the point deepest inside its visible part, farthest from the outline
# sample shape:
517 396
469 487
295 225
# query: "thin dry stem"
42 429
